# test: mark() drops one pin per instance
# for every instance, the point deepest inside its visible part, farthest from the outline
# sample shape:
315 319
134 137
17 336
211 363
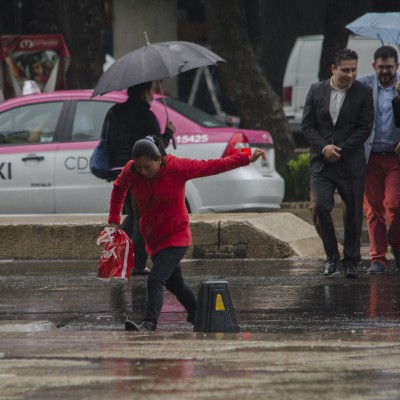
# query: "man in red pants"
382 179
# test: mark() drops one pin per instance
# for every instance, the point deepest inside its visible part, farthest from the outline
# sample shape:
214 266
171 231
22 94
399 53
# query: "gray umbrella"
156 61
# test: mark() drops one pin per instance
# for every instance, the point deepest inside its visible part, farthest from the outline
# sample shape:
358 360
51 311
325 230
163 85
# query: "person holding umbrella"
382 149
157 183
129 122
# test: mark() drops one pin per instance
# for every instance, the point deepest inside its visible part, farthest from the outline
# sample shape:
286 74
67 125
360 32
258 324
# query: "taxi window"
30 124
88 120
193 113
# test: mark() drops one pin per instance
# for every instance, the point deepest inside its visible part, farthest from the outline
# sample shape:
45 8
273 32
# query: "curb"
247 235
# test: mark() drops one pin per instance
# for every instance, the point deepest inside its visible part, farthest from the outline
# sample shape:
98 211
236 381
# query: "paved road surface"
303 336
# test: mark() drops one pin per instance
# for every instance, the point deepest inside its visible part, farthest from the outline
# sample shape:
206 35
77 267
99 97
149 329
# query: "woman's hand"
171 126
257 153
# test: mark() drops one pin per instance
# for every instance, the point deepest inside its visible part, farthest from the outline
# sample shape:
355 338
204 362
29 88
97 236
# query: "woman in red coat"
157 182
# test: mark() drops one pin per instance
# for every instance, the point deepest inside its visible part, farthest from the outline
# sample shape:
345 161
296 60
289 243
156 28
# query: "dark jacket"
352 128
129 122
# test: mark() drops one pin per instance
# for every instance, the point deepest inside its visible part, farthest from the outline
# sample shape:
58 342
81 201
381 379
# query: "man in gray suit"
337 119
382 149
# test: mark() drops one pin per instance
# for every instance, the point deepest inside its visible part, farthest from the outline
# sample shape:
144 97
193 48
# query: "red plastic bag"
116 261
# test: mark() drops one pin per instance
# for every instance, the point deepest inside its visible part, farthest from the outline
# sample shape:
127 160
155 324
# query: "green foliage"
297 179
299 164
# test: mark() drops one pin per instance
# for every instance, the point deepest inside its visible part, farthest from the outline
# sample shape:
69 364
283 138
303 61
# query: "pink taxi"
46 141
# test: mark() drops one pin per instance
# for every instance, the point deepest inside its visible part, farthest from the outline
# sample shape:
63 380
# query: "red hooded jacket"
164 220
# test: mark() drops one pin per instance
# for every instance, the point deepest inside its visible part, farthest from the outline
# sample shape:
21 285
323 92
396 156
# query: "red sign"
43 59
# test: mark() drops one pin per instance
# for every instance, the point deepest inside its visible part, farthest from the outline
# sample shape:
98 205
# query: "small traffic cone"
215 311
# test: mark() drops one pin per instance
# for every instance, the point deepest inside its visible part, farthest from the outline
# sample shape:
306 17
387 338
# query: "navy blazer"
352 128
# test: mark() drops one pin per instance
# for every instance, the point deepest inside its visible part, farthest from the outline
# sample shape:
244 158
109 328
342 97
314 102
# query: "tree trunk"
85 17
283 22
45 18
339 13
258 105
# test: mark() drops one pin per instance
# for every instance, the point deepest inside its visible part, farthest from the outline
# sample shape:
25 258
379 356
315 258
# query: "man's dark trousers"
351 191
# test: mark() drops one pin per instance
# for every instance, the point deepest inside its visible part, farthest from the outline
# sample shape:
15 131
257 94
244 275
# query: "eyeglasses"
385 67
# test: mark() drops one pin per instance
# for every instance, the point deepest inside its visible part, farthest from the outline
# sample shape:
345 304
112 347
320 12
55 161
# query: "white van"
302 71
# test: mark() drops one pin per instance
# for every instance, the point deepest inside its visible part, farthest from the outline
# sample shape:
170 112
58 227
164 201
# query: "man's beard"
387 79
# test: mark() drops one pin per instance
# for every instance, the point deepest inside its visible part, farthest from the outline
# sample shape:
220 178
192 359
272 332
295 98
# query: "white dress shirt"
336 101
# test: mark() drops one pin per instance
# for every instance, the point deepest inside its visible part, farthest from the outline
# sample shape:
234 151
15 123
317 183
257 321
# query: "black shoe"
190 318
144 271
350 271
144 326
147 326
131 326
330 266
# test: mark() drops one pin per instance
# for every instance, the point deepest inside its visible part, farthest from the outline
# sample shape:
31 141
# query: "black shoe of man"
131 326
350 270
190 318
330 266
143 327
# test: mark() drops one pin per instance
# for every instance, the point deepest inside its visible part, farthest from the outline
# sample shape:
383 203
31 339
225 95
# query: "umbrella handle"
166 111
173 143
380 38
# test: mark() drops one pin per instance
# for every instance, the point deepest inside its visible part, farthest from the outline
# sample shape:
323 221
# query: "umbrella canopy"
382 26
156 61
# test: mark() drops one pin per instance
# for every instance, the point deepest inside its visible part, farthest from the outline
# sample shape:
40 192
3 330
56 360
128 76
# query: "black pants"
323 186
130 225
313 211
166 271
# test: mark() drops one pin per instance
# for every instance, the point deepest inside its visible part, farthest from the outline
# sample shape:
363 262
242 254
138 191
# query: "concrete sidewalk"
248 235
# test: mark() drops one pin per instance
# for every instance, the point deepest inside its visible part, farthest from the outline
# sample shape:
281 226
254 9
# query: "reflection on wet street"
302 336
276 296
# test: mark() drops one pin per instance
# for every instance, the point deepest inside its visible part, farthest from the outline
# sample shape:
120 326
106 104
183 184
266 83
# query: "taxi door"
28 144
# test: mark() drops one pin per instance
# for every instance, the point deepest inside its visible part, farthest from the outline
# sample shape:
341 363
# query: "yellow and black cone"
215 311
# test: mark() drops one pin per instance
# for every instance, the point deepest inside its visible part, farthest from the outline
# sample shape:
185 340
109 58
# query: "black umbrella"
154 62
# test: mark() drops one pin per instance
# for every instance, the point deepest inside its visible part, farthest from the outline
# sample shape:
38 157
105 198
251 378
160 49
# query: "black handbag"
100 159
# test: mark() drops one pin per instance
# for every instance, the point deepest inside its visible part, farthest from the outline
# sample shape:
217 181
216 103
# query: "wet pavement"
302 336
